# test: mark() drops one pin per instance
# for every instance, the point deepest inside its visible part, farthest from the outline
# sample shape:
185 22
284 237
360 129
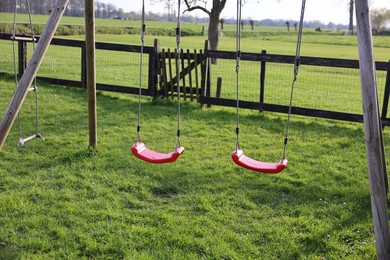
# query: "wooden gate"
191 67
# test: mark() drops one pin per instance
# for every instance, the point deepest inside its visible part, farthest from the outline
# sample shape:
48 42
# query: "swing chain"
143 29
296 67
238 59
178 62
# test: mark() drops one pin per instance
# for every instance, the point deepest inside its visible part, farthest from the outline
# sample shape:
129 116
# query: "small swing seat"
140 151
265 167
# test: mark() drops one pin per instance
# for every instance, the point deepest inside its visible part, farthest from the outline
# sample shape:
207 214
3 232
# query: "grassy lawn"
60 199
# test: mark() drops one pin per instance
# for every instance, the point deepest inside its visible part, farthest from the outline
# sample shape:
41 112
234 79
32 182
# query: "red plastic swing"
140 151
238 155
265 167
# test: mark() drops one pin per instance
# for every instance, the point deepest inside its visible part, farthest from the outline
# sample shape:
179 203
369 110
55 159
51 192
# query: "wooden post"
219 87
31 70
373 131
91 70
22 57
83 69
386 94
154 70
206 75
263 65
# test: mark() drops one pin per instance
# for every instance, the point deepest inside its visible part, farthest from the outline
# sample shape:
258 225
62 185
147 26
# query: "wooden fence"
195 76
162 67
263 59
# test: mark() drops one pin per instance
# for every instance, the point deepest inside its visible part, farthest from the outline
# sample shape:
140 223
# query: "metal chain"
15 70
140 71
296 68
35 78
178 62
14 56
238 57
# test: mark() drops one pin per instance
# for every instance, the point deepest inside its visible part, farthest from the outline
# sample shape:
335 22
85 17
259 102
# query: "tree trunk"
213 33
214 14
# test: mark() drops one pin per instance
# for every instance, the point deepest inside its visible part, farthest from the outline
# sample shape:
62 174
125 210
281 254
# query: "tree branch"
196 7
221 5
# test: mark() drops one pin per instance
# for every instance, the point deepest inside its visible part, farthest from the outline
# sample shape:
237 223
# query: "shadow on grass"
8 252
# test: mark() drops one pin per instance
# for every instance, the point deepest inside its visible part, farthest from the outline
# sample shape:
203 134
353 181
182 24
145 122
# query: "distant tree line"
74 8
105 10
36 7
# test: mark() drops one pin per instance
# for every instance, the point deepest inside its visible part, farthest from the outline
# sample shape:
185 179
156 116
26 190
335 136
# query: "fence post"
384 114
83 66
153 69
22 59
206 75
219 87
386 95
262 80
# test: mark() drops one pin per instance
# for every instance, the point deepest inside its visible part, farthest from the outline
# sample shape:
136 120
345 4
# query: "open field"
273 39
23 18
60 199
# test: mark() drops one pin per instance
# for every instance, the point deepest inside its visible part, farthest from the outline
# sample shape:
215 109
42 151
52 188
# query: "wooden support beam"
91 70
373 131
31 70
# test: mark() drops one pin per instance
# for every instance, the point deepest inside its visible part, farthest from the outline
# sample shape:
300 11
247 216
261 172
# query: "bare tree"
214 17
379 17
222 21
169 5
252 23
110 10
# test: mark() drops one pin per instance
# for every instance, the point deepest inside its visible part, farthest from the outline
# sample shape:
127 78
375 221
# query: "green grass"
61 200
326 46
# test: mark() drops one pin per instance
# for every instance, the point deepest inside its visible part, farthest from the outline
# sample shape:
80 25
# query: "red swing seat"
140 151
265 167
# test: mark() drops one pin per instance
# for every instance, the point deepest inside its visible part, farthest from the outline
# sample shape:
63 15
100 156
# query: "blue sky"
326 11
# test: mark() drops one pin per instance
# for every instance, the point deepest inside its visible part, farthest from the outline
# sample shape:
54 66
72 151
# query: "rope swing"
139 149
238 154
